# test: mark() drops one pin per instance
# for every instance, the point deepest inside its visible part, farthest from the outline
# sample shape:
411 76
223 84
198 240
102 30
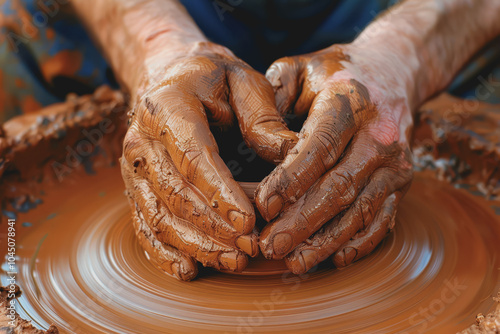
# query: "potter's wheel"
81 269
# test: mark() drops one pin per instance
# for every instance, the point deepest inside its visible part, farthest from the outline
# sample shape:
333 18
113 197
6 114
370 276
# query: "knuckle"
327 143
290 185
264 119
187 145
192 160
359 95
209 49
399 171
195 65
173 186
386 133
367 210
335 110
152 208
344 184
131 142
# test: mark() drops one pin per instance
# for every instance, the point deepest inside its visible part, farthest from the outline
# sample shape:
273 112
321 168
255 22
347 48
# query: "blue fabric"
259 39
32 33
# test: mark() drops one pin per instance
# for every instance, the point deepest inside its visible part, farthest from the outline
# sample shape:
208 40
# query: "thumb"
262 127
284 76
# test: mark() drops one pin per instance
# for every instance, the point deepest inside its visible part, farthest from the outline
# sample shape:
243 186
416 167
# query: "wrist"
422 44
157 44
158 52
132 33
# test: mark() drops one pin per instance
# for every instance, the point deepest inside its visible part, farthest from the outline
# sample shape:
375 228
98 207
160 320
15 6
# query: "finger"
165 257
150 160
204 78
333 193
214 95
285 78
179 121
335 117
297 80
180 234
341 229
365 241
220 112
252 99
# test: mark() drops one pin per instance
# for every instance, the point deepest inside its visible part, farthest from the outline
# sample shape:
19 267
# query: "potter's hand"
186 204
337 191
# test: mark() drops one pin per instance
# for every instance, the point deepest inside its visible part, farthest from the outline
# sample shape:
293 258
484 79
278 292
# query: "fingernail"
282 243
233 261
300 262
240 222
310 259
274 206
175 270
248 244
345 257
181 273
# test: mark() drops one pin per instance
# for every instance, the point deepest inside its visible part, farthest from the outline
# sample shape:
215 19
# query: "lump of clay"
489 324
45 146
17 325
460 139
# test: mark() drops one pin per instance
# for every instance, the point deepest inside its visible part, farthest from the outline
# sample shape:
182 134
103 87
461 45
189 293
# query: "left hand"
336 192
186 205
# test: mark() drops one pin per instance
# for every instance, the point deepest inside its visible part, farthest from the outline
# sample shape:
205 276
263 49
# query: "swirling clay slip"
80 268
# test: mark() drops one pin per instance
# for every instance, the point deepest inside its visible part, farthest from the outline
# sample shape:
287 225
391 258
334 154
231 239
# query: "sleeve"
45 54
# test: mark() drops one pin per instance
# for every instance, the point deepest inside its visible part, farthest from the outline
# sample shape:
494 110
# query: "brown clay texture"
81 268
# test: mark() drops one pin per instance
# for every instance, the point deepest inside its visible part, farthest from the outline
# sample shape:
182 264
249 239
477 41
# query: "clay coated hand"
187 207
336 192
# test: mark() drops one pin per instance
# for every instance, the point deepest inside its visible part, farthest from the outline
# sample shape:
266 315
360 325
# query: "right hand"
186 205
351 165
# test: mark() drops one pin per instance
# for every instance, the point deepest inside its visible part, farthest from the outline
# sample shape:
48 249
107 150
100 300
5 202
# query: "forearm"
134 34
423 43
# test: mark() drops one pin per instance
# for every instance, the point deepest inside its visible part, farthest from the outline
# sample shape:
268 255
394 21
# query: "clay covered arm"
186 204
132 33
337 191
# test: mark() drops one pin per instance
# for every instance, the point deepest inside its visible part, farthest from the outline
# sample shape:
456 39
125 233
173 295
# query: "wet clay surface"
20 325
460 139
81 268
489 323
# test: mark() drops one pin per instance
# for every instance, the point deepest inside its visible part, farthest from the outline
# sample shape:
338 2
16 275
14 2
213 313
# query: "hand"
336 192
187 207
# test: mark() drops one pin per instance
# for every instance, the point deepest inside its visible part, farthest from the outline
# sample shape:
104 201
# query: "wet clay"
180 190
333 187
44 147
460 139
80 267
353 153
486 324
21 326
